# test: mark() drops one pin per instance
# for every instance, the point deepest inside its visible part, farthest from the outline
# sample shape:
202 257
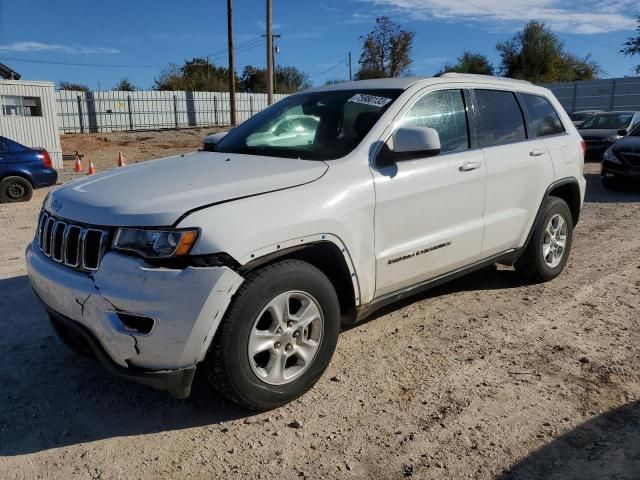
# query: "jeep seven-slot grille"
75 245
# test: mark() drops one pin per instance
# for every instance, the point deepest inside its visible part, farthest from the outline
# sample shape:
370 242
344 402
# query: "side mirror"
210 141
413 142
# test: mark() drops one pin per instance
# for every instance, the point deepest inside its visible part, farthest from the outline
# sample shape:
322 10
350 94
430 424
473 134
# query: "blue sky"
137 38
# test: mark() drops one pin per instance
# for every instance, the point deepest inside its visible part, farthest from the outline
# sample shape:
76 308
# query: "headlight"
609 156
151 243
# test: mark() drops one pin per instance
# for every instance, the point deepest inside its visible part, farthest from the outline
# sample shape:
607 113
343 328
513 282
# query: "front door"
429 211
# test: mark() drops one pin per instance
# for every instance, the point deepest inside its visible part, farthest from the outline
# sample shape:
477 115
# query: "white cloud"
48 47
586 17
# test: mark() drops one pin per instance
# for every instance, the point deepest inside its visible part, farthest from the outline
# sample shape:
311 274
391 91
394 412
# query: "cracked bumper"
187 305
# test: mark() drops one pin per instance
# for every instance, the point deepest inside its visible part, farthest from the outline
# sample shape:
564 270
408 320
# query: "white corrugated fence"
80 112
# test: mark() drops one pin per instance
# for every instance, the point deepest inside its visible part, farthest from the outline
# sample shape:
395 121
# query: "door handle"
469 166
536 152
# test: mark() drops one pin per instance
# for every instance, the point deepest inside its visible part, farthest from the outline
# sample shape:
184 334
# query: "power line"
240 45
343 60
77 64
237 50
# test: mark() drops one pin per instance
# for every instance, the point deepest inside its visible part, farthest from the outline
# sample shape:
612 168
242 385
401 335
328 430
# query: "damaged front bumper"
186 306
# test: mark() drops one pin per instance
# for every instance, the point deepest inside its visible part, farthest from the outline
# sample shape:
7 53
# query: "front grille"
633 159
72 244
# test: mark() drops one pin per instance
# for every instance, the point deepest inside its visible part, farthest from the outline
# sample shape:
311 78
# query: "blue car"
22 169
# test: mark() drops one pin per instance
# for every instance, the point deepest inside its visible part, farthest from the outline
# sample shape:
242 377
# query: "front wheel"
15 189
549 247
278 336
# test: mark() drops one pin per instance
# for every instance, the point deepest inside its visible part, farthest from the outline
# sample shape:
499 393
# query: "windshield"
608 121
312 126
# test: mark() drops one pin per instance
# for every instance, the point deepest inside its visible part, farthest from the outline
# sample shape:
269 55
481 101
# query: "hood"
158 192
598 133
628 145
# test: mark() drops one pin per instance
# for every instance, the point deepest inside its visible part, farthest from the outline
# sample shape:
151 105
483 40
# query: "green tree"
632 47
196 75
470 63
386 51
287 80
124 85
537 54
76 87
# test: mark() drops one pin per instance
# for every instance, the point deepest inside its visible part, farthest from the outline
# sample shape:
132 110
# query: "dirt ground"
103 148
486 377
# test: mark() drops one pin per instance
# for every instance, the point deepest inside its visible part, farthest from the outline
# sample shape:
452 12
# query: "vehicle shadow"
607 446
487 278
51 397
625 192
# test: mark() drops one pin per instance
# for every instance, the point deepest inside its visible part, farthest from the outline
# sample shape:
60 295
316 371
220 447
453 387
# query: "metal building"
29 115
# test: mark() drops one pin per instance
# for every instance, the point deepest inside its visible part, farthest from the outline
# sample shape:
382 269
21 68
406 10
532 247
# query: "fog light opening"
131 323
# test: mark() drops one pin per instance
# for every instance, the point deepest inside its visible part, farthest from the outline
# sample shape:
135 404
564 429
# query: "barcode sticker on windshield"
370 100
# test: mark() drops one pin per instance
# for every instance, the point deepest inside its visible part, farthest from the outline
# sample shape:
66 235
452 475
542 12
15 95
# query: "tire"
253 380
15 189
533 263
610 183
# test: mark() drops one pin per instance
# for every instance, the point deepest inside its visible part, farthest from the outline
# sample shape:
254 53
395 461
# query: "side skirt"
507 257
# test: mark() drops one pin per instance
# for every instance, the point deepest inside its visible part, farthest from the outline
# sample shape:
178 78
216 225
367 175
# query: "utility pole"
232 69
274 50
269 56
350 74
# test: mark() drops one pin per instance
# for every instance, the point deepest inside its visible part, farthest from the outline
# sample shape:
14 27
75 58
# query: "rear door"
545 124
428 217
518 169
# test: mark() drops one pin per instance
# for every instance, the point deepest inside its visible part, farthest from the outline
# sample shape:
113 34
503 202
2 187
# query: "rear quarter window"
500 119
544 119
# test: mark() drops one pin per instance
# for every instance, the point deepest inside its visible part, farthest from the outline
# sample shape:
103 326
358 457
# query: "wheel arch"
17 173
325 252
567 189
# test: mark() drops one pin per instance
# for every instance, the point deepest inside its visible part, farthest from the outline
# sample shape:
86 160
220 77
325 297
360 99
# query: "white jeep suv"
333 202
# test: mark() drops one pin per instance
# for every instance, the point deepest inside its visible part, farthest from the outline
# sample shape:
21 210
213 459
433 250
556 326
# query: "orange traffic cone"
121 161
77 167
92 168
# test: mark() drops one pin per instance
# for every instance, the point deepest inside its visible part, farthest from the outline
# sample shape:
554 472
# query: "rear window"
544 119
580 116
500 118
608 121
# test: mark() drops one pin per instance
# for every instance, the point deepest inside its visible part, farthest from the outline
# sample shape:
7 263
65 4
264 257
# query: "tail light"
584 148
46 159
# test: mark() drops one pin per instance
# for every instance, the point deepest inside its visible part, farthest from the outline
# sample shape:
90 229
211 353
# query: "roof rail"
479 77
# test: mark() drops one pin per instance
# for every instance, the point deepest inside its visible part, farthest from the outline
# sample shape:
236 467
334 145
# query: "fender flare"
274 251
547 194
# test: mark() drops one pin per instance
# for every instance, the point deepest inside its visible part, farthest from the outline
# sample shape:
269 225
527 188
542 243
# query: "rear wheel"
15 189
278 336
549 247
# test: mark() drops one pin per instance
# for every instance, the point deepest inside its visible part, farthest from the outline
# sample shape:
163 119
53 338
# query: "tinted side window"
445 112
3 147
500 119
544 119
